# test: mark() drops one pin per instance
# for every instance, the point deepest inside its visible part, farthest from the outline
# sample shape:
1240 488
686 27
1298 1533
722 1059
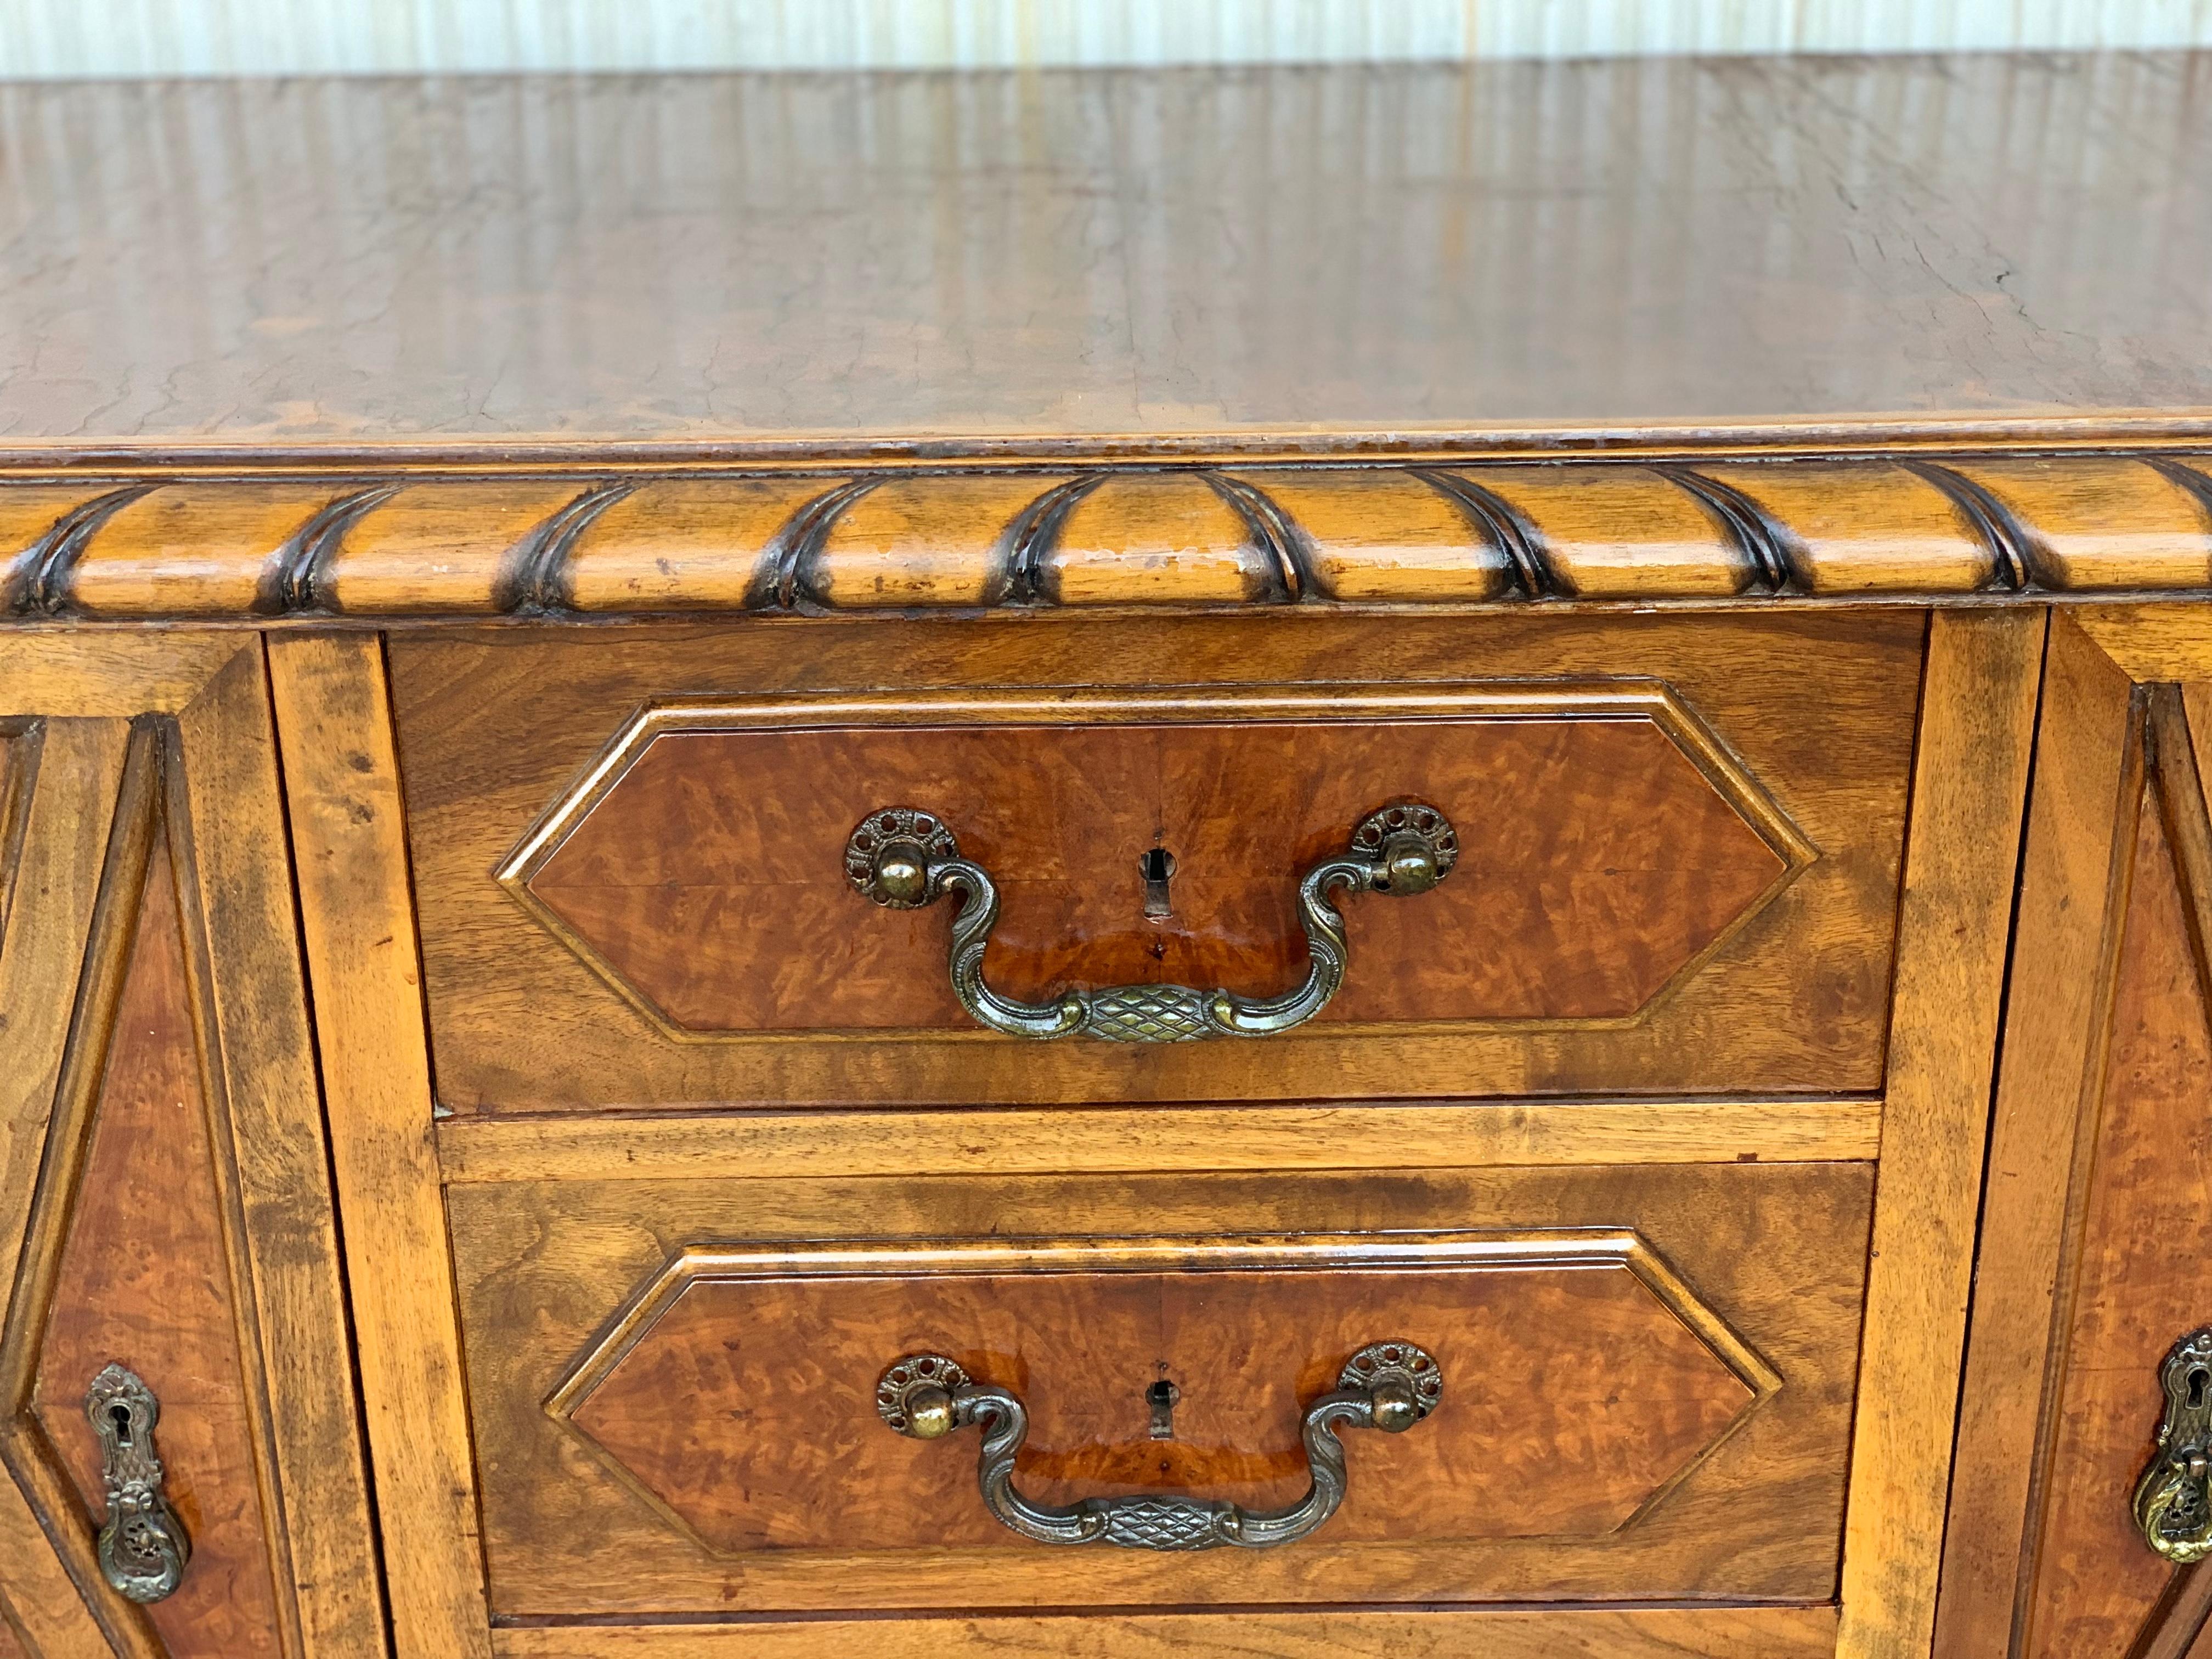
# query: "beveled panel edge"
1113 1141
138 834
1624 698
1714 1631
2028 524
1502 1248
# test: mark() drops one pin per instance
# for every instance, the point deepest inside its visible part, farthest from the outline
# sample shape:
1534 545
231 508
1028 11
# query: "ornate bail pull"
2173 1500
1388 1386
904 858
143 1547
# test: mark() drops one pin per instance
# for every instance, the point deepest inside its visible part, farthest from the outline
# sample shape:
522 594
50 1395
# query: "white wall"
45 38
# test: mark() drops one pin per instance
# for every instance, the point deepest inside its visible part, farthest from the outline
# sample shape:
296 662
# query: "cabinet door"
2095 1256
167 1242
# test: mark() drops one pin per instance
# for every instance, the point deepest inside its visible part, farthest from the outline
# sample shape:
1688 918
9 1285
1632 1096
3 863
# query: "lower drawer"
1631 1383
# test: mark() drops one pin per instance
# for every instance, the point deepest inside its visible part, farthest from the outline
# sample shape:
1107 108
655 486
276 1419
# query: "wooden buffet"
1432 840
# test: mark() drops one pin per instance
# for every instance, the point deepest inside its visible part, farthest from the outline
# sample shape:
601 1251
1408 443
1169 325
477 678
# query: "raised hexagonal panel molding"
1583 1380
1609 843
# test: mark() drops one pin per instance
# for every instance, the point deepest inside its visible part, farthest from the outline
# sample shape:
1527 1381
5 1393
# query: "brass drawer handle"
2173 1500
143 1546
904 858
1390 1386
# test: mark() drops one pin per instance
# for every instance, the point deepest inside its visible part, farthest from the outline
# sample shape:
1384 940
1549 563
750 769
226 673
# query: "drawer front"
628 862
680 1389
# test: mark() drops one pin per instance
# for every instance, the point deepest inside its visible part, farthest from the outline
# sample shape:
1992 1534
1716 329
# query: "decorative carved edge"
1502 1248
1652 700
1584 531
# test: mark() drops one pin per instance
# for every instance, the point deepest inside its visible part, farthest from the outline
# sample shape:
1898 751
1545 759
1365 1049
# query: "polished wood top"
1204 260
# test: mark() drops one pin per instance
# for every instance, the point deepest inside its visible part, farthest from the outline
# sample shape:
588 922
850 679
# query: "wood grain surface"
145 1280
493 735
746 1406
342 796
66 833
2083 804
1069 1140
1396 249
1596 861
2136 1285
1777 1252
1751 534
1714 1632
272 1158
1970 795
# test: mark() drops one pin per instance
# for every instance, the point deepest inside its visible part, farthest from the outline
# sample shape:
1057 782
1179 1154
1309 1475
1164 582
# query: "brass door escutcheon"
143 1546
2173 1500
904 858
1390 1386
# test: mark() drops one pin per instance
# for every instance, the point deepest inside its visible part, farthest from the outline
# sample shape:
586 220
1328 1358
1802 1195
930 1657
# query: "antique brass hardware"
904 858
143 1546
2173 1500
1390 1386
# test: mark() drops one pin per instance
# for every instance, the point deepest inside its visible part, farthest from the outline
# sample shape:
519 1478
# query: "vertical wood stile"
2088 784
341 784
64 847
227 830
1970 783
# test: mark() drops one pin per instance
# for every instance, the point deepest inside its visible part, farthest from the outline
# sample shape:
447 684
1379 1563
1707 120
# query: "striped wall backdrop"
162 38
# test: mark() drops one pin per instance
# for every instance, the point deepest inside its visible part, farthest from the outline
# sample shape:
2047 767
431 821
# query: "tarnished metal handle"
1390 1386
904 858
143 1547
2173 1500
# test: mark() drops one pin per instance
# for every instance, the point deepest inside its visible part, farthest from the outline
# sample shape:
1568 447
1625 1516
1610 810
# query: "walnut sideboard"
1390 861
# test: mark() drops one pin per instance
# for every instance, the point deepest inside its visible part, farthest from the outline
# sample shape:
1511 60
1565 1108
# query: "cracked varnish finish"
1385 249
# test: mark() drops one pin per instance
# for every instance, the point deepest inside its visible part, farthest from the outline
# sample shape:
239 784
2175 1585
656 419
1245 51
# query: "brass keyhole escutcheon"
2173 1497
141 1546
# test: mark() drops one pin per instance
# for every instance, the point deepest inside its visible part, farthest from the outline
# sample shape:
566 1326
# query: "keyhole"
1159 866
120 1416
1162 1397
2198 1379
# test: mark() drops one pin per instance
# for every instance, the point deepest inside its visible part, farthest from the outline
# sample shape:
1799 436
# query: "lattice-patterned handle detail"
904 858
1390 1386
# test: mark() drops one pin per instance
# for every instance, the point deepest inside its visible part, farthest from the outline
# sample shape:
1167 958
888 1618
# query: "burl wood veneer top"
1502 249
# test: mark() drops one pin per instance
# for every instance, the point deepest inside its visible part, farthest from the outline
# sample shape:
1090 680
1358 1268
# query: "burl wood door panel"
630 853
1647 1379
163 1182
2098 1217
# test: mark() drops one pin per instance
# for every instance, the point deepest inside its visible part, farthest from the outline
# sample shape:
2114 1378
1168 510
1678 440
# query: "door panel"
165 1185
2097 1212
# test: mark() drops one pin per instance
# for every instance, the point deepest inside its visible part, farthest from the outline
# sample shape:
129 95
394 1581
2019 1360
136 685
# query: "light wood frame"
1978 709
129 739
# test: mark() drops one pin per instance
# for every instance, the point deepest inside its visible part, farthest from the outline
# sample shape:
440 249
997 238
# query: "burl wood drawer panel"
1646 1376
1678 847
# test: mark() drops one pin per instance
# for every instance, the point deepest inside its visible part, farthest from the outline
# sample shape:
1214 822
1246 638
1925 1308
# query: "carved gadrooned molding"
897 539
679 879
736 1392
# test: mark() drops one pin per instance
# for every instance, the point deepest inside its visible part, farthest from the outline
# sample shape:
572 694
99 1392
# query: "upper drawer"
645 860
